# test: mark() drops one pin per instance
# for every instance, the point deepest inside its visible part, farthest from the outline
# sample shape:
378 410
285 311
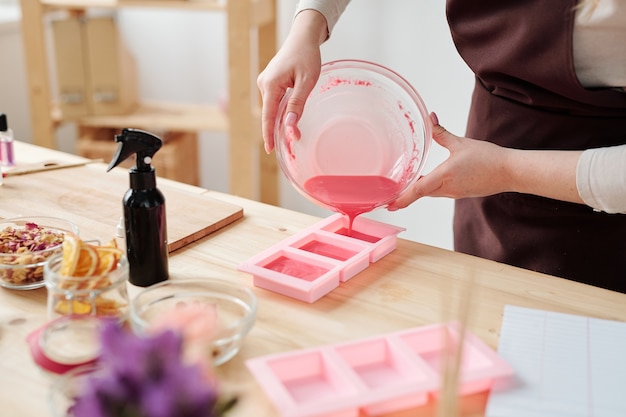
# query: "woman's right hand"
296 65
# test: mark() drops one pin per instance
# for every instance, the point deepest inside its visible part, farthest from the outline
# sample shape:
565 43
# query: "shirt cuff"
330 9
601 178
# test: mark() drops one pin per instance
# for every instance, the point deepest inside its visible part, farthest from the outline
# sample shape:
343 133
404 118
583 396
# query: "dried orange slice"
88 261
108 258
81 259
70 254
110 244
67 307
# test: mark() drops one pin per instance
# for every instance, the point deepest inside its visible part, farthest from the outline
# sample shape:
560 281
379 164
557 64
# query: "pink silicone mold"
313 262
373 376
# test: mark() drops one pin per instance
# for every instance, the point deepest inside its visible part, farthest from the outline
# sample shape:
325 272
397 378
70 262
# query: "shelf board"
260 11
163 116
218 5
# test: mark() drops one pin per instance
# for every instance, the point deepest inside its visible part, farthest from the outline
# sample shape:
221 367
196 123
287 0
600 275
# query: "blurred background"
181 57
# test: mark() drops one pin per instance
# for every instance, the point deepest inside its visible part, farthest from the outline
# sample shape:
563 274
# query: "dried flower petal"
31 237
22 247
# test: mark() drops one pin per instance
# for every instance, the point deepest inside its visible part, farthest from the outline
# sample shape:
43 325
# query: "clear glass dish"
230 307
22 268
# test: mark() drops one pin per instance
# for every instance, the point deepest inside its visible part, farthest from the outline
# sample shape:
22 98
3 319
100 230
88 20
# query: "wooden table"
412 286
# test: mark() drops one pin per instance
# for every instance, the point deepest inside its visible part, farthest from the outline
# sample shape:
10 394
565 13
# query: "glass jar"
66 343
104 296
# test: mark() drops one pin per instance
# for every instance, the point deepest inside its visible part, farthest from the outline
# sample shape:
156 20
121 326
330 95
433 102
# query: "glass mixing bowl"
363 138
230 311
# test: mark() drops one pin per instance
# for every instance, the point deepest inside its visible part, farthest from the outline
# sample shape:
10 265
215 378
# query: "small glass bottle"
6 143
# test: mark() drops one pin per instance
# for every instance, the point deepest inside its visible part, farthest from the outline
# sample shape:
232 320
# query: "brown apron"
527 96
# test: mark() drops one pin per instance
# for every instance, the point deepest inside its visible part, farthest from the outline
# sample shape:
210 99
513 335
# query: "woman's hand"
474 168
296 65
477 168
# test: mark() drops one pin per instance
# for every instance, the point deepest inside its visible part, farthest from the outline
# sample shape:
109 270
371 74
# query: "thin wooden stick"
50 167
448 405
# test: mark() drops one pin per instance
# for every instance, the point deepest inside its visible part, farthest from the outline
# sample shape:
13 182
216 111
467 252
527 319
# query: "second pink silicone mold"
377 375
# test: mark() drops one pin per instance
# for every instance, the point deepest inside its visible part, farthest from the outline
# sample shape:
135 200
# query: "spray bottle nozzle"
135 141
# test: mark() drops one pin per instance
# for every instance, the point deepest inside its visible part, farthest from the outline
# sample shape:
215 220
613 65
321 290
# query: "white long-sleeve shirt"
599 61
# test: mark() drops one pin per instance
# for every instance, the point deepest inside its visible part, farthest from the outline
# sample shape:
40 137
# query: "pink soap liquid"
344 231
294 268
328 250
352 194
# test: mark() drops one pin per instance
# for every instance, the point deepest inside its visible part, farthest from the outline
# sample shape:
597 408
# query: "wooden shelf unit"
253 174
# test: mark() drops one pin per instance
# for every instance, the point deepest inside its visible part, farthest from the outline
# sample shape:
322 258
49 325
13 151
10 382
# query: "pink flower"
197 323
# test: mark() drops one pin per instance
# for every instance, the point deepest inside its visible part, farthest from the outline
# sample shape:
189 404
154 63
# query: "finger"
425 186
299 94
440 134
271 100
291 126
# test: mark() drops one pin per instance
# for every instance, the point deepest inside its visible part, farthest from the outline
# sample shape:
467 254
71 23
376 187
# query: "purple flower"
145 377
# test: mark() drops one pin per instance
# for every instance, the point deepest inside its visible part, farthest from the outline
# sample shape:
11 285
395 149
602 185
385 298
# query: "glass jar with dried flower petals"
26 244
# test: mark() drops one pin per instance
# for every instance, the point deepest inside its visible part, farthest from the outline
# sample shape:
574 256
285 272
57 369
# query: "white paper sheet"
565 365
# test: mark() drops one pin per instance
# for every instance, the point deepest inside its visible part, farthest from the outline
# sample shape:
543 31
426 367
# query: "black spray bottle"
144 210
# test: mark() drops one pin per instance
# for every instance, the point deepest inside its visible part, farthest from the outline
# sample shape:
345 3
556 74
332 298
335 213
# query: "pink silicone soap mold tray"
373 376
311 263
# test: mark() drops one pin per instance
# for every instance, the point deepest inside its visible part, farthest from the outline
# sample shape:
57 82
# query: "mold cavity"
375 363
328 250
295 268
309 379
355 234
432 346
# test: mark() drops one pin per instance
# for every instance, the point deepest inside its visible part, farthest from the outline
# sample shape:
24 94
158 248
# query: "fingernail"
434 118
267 148
291 118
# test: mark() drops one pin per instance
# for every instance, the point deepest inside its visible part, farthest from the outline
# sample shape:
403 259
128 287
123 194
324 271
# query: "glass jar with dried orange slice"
87 279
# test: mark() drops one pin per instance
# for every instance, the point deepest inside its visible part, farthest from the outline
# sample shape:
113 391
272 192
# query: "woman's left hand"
474 168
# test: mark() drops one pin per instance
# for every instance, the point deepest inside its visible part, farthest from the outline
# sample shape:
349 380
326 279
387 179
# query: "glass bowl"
363 138
26 244
230 307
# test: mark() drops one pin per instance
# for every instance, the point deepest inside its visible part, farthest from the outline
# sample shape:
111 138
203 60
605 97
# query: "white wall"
13 97
181 56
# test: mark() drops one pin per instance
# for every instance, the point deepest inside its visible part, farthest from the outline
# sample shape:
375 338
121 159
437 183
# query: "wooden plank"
242 145
70 66
262 12
166 116
267 45
112 74
92 198
177 159
48 165
217 5
37 73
